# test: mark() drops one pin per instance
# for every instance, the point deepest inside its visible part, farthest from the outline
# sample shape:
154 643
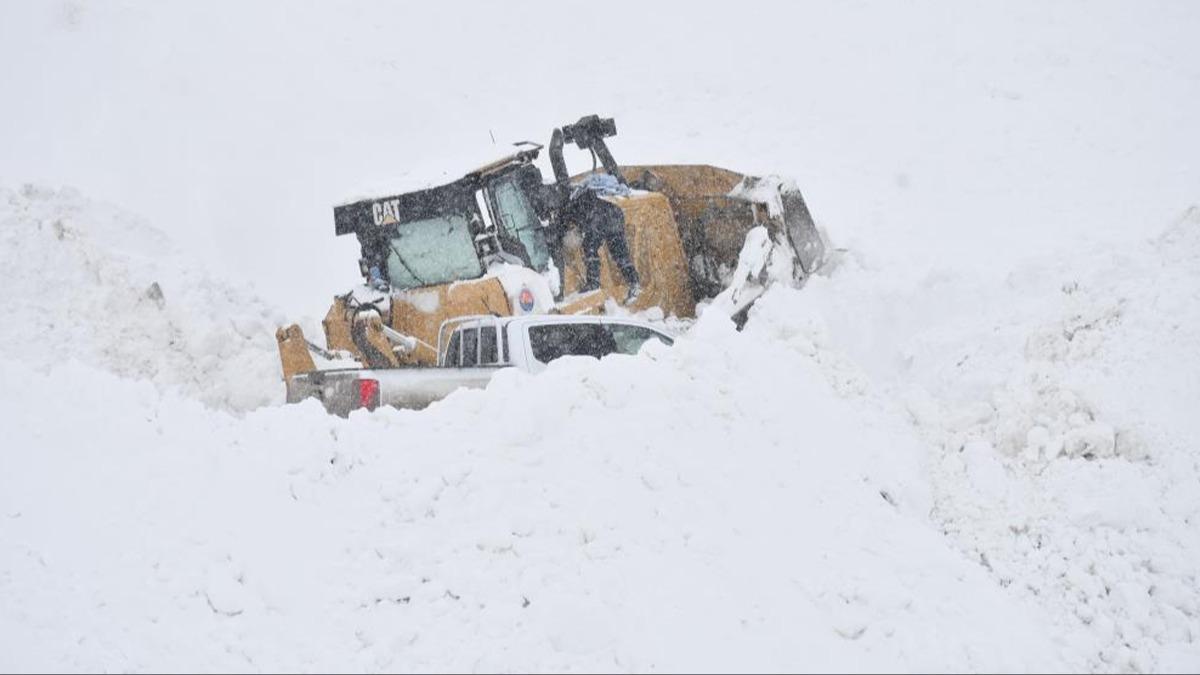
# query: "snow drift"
84 281
1006 491
1059 407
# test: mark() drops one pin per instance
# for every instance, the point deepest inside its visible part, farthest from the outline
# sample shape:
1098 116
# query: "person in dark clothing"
600 222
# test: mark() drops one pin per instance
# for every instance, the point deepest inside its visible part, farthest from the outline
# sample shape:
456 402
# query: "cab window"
520 223
470 350
487 345
629 339
432 251
553 341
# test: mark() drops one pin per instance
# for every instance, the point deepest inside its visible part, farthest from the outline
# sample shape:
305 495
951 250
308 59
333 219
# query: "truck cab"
532 342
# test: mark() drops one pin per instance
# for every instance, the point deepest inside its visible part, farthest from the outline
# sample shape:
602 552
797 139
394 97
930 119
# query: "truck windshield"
552 341
432 251
519 221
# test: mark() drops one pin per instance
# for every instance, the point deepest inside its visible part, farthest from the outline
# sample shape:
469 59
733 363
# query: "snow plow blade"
716 210
801 231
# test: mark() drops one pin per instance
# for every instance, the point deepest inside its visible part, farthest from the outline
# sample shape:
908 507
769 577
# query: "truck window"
453 357
470 342
487 345
552 341
629 339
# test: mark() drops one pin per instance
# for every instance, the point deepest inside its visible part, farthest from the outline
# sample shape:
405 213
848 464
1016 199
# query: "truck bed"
405 387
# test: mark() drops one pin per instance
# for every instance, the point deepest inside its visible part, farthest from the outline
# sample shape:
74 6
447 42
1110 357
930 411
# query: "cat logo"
386 212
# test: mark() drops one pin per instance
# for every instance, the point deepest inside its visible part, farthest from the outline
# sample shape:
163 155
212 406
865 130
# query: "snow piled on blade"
85 281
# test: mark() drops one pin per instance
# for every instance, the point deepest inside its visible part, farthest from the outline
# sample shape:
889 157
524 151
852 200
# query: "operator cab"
500 212
451 232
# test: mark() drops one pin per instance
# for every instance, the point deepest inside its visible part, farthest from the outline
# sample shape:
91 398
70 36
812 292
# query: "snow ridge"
85 281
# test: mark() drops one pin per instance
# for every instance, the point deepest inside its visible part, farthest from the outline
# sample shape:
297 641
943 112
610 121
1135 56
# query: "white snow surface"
1007 491
84 281
969 445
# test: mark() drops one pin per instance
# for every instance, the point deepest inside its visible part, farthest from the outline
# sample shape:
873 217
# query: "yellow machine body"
682 211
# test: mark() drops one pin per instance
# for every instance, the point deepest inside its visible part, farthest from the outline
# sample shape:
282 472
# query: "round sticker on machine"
525 298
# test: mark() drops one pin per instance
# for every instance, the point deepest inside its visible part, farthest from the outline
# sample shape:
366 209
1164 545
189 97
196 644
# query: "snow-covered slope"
1060 410
1012 491
636 514
84 281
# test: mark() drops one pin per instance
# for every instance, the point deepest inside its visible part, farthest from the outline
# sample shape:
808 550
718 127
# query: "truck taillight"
368 394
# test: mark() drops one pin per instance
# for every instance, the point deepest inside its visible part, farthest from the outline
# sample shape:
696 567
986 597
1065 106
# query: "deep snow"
971 446
1014 492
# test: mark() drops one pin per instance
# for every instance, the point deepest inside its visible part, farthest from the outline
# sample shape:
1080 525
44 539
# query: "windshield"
552 341
520 222
432 251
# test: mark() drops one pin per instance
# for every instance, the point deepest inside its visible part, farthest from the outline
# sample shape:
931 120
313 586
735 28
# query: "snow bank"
85 281
1061 410
667 511
881 472
738 500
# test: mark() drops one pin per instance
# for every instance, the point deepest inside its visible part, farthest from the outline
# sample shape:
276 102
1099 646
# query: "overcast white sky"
235 126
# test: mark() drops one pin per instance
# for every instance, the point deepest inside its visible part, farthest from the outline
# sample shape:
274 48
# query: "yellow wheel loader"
501 241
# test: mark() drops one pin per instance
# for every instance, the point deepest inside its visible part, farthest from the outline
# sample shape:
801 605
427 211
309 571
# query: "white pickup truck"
474 349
